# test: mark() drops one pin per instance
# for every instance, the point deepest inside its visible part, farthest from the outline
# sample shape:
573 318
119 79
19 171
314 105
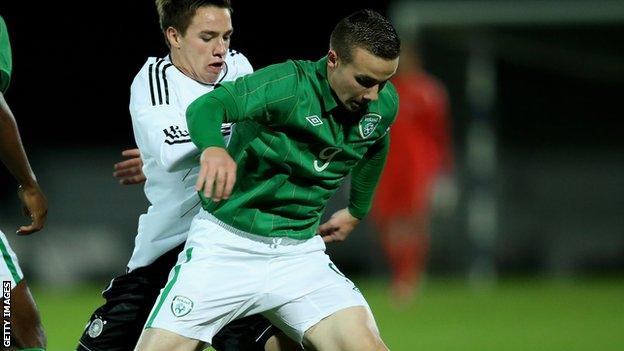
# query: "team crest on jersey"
95 327
181 306
368 124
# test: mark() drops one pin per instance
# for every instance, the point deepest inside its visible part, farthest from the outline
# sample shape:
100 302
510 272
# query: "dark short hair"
179 13
368 30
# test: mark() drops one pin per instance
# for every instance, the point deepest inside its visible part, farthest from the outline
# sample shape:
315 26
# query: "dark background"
73 64
557 122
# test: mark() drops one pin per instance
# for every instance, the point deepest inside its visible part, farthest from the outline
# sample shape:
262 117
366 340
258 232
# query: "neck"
178 61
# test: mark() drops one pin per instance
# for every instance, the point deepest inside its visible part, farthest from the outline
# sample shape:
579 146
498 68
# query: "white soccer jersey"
159 96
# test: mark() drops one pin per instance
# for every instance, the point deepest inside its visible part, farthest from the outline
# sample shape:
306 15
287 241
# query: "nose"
221 47
372 93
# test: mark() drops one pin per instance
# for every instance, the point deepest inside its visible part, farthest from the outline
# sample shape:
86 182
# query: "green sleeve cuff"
356 212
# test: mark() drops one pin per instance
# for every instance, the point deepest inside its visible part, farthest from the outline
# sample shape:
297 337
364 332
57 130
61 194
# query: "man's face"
203 47
358 82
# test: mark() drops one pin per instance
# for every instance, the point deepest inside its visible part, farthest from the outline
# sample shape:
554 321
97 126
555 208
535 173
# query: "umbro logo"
314 120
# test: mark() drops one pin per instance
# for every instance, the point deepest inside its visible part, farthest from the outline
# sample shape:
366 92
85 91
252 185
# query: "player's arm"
14 158
164 131
364 179
217 173
250 97
161 131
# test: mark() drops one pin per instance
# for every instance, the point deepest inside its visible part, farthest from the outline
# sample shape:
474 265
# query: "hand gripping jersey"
159 96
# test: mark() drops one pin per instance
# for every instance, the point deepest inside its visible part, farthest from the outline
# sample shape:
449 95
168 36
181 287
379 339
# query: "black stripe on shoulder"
151 85
158 80
164 77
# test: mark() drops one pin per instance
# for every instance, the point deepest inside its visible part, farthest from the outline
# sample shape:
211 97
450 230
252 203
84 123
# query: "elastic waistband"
272 240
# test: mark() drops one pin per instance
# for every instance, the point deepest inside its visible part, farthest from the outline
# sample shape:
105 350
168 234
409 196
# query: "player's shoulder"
304 67
236 65
389 91
5 57
389 95
388 101
152 67
278 75
237 59
284 77
152 84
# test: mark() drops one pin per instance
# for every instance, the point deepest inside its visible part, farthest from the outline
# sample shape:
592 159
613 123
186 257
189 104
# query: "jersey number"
325 156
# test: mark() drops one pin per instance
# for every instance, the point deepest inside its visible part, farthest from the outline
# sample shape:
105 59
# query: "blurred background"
524 246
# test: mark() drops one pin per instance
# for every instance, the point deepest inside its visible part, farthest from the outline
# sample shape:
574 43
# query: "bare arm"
14 158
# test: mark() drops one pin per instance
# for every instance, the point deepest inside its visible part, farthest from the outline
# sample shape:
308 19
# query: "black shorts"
117 325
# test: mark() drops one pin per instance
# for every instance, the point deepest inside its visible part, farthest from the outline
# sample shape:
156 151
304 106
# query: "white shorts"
9 267
224 274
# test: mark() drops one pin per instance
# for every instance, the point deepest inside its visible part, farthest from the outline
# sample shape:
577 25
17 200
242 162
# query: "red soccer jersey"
419 147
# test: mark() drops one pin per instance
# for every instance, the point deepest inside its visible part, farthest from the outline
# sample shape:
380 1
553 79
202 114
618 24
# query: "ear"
332 59
173 37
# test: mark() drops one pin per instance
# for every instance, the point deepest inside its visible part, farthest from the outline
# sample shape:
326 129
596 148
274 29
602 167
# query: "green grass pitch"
520 314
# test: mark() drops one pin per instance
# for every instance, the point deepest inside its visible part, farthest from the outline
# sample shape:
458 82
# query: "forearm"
12 152
205 116
365 177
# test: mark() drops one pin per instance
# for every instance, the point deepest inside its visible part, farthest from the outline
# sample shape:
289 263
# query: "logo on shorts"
368 123
96 327
181 306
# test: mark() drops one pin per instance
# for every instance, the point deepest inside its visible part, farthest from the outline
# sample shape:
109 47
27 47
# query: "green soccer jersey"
294 144
5 57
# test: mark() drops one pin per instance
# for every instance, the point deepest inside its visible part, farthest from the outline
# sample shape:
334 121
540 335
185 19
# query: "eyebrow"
213 33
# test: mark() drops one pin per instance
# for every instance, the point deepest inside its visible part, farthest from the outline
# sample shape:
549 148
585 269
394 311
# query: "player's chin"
209 77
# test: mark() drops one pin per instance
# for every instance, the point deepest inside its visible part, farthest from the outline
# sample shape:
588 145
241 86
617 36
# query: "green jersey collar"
329 102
